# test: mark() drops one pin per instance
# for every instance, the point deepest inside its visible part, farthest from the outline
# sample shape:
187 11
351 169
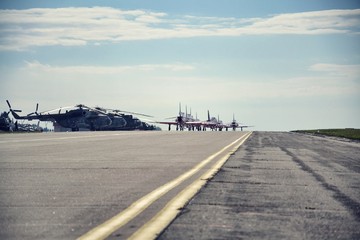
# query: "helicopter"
74 117
8 125
131 122
5 122
92 118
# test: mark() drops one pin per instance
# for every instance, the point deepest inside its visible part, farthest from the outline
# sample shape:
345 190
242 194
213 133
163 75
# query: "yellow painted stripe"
104 230
160 221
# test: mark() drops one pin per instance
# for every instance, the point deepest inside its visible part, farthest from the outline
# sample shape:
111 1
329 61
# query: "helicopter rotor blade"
140 114
36 111
121 111
99 110
14 110
8 103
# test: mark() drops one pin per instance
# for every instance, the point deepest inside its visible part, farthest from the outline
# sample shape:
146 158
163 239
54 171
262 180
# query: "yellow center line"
105 229
162 219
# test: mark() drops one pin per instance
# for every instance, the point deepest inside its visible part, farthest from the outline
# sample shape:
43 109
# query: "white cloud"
40 68
333 80
350 71
317 22
22 29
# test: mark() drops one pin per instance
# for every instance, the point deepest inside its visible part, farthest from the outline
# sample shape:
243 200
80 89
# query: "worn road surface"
62 185
279 186
276 186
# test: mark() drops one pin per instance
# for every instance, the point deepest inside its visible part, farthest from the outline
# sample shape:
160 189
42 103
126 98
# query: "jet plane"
235 125
184 120
211 123
179 122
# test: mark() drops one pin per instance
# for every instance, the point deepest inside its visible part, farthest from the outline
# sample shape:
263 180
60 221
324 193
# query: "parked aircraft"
5 122
179 122
8 125
192 123
185 120
75 117
26 127
211 123
216 124
131 122
235 125
94 119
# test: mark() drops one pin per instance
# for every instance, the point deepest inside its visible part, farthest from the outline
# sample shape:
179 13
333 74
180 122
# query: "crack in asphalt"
352 205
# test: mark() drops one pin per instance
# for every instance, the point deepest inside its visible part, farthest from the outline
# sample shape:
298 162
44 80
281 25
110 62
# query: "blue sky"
278 65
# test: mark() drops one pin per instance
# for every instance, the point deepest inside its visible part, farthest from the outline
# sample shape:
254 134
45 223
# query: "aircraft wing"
169 123
209 124
195 123
243 126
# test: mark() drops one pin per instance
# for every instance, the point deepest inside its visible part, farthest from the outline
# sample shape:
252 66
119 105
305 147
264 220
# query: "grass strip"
349 133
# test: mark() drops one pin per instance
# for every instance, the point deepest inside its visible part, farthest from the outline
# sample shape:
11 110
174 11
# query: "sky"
278 65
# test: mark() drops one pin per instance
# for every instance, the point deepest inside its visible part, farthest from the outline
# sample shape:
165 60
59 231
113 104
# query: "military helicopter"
5 122
131 122
8 125
94 119
75 117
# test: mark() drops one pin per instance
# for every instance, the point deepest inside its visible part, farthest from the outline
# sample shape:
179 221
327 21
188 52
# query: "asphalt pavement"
278 186
65 185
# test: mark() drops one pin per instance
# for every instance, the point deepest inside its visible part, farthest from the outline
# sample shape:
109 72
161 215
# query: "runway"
80 185
119 185
279 186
